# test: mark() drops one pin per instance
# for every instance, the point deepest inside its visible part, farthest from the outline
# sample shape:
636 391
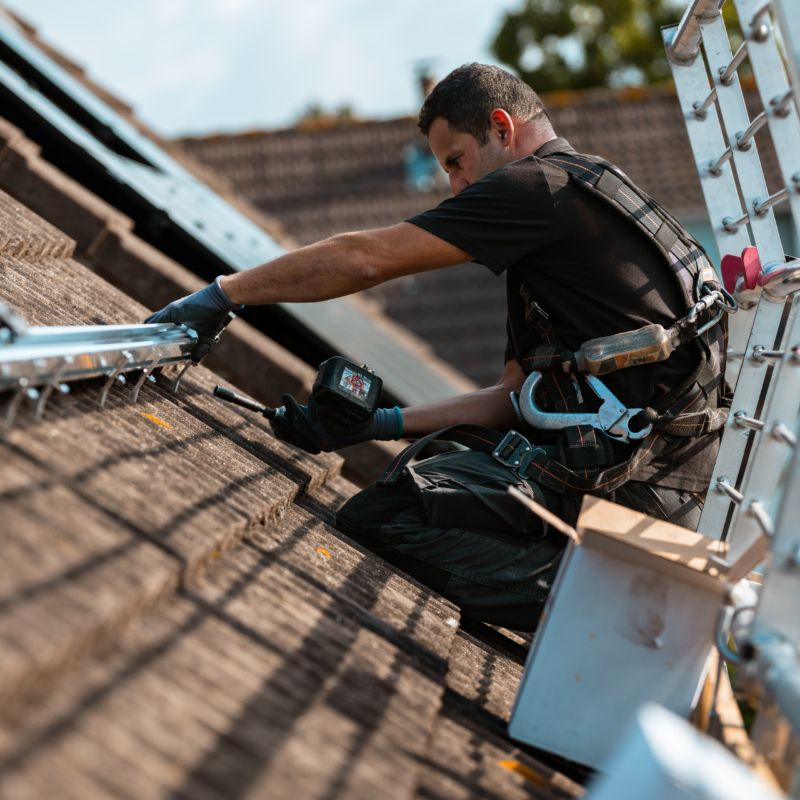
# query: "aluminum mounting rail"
36 361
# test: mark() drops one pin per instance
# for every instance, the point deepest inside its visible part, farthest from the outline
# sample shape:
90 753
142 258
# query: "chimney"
426 83
425 77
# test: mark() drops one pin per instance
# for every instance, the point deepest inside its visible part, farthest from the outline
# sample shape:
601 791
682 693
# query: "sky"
203 66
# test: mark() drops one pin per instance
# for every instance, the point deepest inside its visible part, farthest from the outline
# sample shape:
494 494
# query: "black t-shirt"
590 269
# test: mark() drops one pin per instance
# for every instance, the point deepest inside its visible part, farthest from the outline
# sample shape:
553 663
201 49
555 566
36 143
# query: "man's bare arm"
490 407
342 265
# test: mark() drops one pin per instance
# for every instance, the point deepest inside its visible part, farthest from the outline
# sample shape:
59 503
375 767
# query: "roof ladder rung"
745 138
715 167
762 206
727 73
759 27
701 109
731 224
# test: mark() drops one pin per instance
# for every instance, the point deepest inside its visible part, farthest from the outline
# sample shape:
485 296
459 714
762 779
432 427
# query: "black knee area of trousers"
497 576
363 515
671 505
494 576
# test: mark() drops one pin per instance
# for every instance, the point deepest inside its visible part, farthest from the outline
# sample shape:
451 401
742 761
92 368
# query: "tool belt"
582 460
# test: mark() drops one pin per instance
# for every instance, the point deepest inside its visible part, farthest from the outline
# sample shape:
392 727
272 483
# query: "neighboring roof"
326 181
350 176
178 618
319 182
87 138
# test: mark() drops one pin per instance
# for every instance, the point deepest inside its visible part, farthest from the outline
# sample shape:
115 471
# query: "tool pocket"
467 489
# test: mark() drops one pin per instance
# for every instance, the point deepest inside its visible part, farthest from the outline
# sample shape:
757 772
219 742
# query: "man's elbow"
356 256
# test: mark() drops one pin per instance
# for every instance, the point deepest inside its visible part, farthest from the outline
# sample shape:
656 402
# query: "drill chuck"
245 402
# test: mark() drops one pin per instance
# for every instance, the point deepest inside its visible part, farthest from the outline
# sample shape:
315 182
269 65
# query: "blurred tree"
315 115
562 44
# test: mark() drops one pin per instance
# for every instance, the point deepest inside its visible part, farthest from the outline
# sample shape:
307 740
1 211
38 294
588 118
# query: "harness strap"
670 236
545 466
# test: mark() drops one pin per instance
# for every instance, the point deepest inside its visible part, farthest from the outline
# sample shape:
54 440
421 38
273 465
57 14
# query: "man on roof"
586 255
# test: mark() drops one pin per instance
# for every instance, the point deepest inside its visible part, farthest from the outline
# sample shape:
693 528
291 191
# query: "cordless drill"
342 391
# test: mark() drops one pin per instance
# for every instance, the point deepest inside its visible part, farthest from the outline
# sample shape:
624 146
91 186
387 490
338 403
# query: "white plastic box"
631 619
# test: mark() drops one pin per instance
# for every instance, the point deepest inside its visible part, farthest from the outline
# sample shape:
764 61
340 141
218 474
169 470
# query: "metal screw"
743 146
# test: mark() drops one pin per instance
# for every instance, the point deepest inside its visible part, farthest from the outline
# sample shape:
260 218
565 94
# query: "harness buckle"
516 453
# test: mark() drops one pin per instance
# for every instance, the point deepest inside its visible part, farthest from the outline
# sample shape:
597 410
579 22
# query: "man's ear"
502 125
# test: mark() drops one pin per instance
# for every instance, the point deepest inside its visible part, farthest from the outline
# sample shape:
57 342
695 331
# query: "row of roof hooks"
684 49
37 362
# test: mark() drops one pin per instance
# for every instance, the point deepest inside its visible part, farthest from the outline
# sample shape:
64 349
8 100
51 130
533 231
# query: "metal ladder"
754 499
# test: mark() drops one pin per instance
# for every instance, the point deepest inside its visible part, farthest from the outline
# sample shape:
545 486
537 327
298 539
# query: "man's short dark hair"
469 94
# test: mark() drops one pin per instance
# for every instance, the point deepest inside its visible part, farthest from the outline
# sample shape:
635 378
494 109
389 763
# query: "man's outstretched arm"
342 265
490 407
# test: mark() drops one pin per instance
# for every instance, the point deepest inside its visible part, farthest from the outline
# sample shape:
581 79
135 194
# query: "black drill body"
342 390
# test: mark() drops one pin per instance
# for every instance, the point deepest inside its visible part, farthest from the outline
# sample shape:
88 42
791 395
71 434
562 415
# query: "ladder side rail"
732 450
789 20
774 89
778 612
770 672
764 230
772 454
746 161
718 184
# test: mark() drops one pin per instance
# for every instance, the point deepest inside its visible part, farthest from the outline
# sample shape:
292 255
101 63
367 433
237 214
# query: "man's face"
462 156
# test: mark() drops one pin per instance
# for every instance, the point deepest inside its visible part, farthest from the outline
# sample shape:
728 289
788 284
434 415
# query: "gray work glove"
205 312
312 429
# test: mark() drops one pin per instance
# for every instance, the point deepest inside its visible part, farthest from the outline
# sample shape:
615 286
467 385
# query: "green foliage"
315 115
561 44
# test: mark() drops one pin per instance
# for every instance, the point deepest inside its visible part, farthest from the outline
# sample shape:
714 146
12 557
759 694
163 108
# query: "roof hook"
147 372
53 383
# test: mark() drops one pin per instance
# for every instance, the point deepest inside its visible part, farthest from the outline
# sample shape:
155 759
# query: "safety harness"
582 460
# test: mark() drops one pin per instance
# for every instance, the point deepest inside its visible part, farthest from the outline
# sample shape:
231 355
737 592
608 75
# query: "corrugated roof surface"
179 620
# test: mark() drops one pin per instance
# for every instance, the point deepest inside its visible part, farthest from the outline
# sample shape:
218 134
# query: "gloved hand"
311 429
205 312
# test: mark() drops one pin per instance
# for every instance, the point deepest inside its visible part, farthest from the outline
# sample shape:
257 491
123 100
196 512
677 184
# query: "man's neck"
532 140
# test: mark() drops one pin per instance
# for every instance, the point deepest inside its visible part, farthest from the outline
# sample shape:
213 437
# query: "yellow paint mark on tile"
44 301
578 677
324 552
156 420
529 774
592 636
